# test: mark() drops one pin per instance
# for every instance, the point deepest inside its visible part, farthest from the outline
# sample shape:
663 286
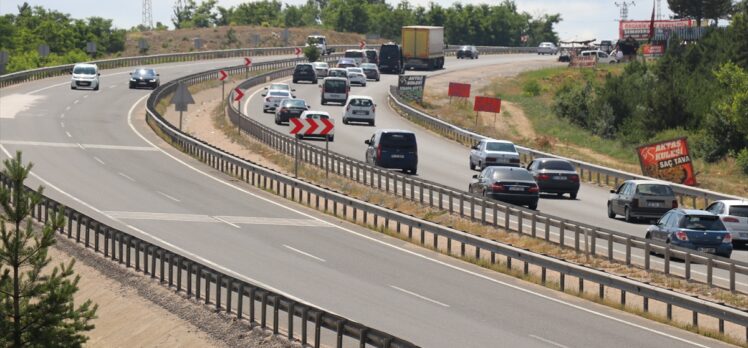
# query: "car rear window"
739 210
317 116
702 223
512 174
556 165
297 103
388 50
398 140
279 94
361 102
505 147
338 73
279 86
354 54
335 86
654 190
304 67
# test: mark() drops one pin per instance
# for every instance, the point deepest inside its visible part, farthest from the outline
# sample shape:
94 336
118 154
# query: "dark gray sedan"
507 184
555 176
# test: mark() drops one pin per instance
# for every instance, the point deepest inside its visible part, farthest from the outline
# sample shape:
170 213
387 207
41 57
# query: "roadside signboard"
653 50
639 30
222 75
311 126
297 51
181 99
461 90
668 160
487 104
238 94
43 50
411 86
581 62
247 61
91 47
362 44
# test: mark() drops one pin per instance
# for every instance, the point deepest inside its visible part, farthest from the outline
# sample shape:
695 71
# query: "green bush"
531 88
742 160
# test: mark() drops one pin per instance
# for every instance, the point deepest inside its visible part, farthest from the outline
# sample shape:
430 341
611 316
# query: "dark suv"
393 149
289 108
391 58
304 72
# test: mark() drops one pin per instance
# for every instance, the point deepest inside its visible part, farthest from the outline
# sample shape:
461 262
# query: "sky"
582 19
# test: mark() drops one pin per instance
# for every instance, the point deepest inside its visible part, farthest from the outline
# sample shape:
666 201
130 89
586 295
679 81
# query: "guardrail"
595 240
41 73
593 173
445 239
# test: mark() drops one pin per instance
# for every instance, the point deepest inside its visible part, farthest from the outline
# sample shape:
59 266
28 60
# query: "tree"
36 303
701 9
182 17
311 52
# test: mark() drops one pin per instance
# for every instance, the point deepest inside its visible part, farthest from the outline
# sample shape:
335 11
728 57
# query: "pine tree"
36 303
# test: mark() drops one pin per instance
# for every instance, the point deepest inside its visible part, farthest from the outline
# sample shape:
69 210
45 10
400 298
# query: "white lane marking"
226 222
99 160
413 253
126 177
76 101
168 196
81 146
112 86
14 104
231 220
62 124
85 96
68 134
545 340
273 221
67 108
304 253
89 146
174 248
420 296
62 115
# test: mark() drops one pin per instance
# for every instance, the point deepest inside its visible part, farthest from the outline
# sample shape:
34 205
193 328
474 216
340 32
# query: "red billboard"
639 30
487 104
668 160
461 90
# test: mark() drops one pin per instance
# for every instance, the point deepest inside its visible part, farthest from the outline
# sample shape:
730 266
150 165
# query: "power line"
624 6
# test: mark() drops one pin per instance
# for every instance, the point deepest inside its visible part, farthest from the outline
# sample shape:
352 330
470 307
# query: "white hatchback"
356 75
273 99
359 109
734 215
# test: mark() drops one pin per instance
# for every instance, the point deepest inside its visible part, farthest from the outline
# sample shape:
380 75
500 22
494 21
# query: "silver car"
489 152
357 76
734 215
641 199
321 68
547 48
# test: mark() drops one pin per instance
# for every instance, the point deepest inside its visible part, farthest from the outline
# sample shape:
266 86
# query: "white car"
279 87
273 99
359 109
317 115
321 68
490 152
602 57
85 76
356 75
734 215
547 48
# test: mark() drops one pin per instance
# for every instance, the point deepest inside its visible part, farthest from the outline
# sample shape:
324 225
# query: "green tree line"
499 24
699 90
22 33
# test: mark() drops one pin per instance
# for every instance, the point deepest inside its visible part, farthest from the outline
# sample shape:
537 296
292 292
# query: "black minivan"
391 58
391 148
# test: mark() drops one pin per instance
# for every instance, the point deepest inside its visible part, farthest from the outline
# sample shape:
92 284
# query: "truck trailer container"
423 47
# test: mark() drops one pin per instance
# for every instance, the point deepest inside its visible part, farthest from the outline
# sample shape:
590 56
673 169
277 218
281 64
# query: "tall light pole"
147 14
624 6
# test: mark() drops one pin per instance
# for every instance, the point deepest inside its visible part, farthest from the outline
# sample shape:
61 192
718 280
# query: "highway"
446 162
93 151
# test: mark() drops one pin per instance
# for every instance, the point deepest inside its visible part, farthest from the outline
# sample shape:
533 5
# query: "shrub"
742 160
531 88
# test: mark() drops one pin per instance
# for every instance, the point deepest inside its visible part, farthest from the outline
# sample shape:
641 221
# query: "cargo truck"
423 47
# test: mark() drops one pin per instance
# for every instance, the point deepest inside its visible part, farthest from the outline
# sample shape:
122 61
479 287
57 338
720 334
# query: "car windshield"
338 73
317 116
503 147
320 65
295 103
702 223
556 165
279 94
361 102
371 54
654 190
511 174
335 86
398 140
144 72
84 70
465 48
739 210
280 86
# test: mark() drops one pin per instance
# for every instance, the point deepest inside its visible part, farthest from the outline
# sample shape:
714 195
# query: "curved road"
93 152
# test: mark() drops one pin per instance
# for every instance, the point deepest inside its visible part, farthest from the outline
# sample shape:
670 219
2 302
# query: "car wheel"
627 215
97 88
559 194
377 79
472 166
573 195
295 81
322 102
363 85
480 165
611 213
413 171
371 123
533 205
72 87
345 120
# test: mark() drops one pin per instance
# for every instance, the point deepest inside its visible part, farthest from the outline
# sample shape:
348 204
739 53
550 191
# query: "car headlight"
132 79
152 80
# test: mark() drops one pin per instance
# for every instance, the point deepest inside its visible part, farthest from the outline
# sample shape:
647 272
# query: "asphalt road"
93 152
446 162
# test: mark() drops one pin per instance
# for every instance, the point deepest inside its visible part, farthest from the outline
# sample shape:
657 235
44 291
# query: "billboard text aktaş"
668 160
640 29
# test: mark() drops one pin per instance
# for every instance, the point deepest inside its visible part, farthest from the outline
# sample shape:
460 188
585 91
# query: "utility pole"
147 14
659 10
624 6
